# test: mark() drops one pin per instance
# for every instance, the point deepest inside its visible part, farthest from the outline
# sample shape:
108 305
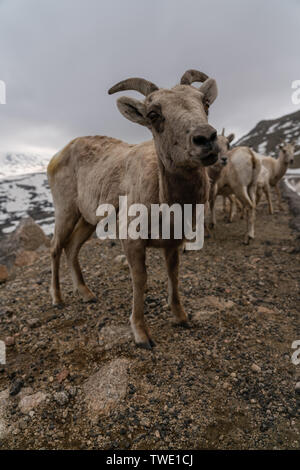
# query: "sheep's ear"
281 146
132 109
230 137
209 90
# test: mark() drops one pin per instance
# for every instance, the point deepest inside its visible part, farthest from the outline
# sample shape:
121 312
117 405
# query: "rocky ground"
74 379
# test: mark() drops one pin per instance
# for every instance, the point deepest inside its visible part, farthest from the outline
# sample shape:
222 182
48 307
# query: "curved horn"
191 76
138 84
223 131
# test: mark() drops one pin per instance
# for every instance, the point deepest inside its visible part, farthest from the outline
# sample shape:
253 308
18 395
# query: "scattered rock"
265 310
106 388
72 391
16 387
26 258
4 395
297 388
62 398
62 375
9 341
3 273
25 391
121 260
29 402
255 368
33 322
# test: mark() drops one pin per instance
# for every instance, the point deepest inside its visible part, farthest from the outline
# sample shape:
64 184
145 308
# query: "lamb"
239 177
272 171
214 171
168 169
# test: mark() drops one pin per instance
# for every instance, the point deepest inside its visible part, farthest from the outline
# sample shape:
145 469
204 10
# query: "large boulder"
21 248
29 236
105 389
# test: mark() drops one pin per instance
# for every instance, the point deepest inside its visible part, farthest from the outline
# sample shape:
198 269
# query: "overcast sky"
59 57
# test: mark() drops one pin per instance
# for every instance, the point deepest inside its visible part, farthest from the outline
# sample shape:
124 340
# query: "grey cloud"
58 59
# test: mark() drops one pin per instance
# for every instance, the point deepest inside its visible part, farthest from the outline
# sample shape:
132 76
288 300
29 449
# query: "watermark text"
2 92
2 353
159 221
296 93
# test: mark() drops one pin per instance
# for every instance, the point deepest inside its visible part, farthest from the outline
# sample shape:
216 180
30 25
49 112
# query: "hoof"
183 324
248 240
148 346
92 300
58 305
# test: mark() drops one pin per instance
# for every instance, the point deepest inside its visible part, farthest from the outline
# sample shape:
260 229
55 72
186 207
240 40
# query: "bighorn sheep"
214 171
239 177
168 169
272 172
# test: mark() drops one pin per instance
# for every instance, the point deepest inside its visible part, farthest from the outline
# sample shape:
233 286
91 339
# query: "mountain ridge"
265 137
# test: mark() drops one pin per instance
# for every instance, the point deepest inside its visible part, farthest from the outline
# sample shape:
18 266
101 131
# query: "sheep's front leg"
232 207
136 257
172 261
279 197
212 203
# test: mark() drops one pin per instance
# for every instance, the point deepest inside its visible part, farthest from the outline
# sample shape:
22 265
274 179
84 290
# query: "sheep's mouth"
209 160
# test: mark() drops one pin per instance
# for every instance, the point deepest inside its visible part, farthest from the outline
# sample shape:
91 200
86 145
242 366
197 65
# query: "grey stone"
106 388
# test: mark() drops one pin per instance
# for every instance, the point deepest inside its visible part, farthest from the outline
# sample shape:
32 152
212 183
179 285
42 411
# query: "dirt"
226 383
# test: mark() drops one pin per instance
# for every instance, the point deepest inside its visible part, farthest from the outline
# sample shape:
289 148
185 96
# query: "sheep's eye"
153 115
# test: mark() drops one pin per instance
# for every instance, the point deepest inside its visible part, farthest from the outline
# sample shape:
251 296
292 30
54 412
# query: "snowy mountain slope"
266 135
12 164
23 196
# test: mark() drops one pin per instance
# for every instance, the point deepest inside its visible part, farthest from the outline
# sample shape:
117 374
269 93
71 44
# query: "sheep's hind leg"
250 205
79 236
63 229
269 199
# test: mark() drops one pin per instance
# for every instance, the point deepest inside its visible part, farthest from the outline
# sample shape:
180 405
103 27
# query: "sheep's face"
224 147
178 121
288 153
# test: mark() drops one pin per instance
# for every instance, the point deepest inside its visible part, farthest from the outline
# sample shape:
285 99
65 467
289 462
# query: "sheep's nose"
204 136
224 160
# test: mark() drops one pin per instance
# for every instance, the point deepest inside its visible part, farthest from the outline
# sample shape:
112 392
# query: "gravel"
226 383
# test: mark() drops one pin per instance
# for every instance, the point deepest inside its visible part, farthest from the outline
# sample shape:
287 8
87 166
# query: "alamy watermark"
159 221
2 353
2 92
296 354
296 93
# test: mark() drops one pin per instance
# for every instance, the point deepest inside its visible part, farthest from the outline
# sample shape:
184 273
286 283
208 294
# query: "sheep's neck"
280 168
184 187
